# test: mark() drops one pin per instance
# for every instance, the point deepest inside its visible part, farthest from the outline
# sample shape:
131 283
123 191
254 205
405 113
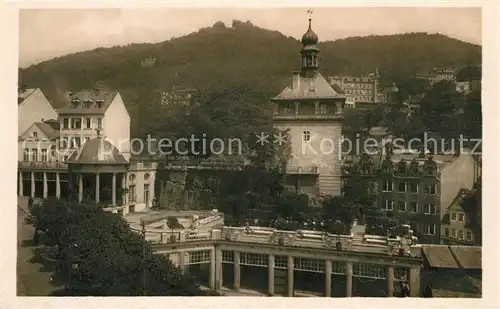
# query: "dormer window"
288 109
74 103
322 108
99 103
87 104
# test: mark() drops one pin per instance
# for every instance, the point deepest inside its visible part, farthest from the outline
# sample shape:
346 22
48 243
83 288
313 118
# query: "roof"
89 95
97 151
315 87
49 129
439 256
457 201
463 257
23 95
468 257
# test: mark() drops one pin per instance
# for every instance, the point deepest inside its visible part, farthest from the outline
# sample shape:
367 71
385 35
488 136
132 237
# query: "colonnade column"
348 279
124 186
113 196
80 187
290 276
182 254
296 108
45 189
97 188
58 186
415 281
390 281
328 278
218 269
270 277
212 269
32 184
20 193
237 270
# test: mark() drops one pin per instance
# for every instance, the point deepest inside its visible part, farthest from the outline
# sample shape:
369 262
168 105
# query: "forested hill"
260 58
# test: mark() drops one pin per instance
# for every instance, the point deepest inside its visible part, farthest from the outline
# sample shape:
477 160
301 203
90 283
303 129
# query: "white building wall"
33 109
116 126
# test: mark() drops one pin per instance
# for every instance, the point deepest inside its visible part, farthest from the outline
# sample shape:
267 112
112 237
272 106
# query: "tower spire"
309 50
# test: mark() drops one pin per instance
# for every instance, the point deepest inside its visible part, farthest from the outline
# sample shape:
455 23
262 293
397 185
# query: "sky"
49 33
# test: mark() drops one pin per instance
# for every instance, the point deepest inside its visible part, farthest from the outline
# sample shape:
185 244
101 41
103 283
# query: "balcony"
278 117
309 170
42 165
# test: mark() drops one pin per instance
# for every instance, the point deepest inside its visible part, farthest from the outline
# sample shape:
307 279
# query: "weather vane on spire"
310 12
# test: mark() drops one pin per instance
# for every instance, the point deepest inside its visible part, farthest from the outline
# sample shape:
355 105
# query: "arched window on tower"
309 61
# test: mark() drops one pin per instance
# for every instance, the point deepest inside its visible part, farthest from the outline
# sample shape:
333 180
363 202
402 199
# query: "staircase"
329 184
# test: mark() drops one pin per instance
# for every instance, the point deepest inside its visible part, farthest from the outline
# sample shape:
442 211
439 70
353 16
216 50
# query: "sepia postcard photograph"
302 151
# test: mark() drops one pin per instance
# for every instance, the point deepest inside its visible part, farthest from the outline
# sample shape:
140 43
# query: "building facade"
417 190
360 90
438 74
312 111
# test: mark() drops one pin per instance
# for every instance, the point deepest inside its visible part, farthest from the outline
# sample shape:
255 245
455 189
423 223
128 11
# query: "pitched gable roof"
89 95
468 257
439 256
315 87
463 257
24 94
48 129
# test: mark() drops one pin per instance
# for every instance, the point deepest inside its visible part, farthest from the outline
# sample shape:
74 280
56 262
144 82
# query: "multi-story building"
313 112
85 153
91 112
468 86
438 74
416 189
360 91
178 96
32 107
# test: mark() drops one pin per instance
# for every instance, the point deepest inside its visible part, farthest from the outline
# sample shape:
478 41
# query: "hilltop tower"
313 112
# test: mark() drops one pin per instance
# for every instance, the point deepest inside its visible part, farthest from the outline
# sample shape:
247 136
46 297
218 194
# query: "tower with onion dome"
313 112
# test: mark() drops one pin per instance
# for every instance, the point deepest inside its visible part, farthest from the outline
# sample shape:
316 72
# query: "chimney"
296 80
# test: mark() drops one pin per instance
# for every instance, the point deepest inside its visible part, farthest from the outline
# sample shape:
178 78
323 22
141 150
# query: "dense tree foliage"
216 56
101 256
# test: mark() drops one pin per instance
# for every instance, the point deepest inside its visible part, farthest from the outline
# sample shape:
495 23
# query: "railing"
302 170
42 164
307 117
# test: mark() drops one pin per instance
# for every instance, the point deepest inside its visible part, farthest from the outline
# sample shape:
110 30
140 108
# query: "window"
131 191
65 123
447 232
453 216
88 122
44 155
461 234
76 142
34 151
430 189
389 205
401 206
469 236
387 186
99 123
34 134
431 229
76 123
322 109
87 138
131 177
26 155
453 233
430 209
461 217
287 109
414 207
402 187
146 194
146 176
414 188
306 136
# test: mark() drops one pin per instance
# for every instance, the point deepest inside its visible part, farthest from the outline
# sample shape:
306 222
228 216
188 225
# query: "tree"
102 256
